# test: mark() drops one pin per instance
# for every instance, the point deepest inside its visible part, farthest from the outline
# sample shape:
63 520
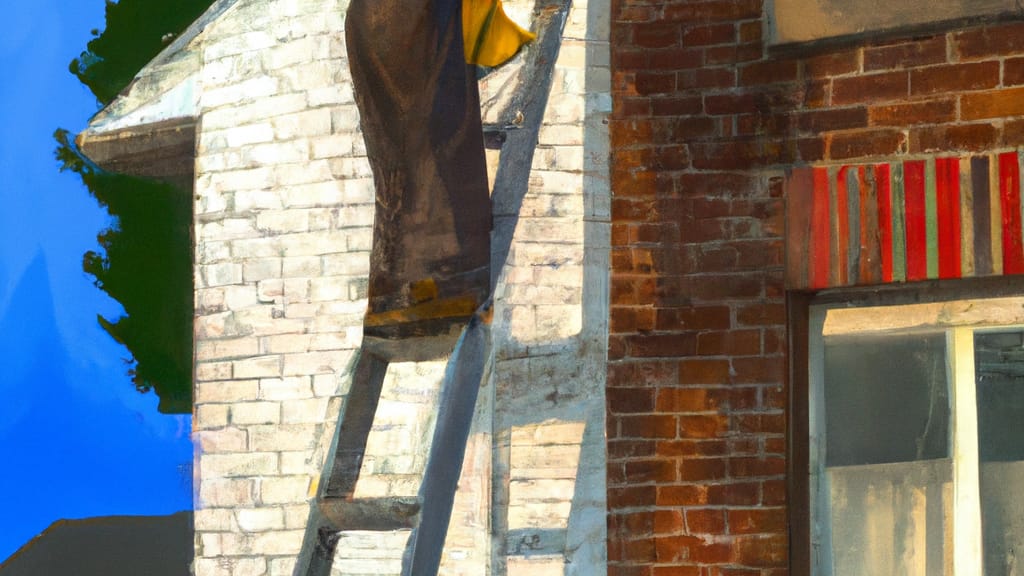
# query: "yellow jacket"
490 37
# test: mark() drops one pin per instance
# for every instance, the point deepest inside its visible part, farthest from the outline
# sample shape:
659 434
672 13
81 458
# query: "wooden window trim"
798 306
905 33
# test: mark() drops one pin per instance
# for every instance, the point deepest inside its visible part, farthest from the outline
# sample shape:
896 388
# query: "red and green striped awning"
947 217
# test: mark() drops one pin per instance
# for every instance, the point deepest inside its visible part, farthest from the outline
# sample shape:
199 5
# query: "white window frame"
961 320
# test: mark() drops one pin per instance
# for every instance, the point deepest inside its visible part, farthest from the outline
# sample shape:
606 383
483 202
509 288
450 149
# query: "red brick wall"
704 124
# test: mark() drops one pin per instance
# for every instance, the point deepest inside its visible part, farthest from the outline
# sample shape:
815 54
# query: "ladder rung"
377 514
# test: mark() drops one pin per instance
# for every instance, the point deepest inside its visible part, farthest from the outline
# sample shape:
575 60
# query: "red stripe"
884 219
842 228
1009 195
820 260
947 196
917 231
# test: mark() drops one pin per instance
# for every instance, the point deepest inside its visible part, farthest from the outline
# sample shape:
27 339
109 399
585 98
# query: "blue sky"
78 440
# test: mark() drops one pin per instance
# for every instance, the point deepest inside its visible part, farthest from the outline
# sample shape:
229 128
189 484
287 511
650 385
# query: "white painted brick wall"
284 205
278 241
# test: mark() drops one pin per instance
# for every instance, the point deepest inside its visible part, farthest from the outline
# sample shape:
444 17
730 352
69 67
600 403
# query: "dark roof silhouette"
108 546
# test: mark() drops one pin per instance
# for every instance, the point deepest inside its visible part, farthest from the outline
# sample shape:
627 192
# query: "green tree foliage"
136 32
145 264
145 257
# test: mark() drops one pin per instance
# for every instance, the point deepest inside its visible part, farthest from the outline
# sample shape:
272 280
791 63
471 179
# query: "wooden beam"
162 150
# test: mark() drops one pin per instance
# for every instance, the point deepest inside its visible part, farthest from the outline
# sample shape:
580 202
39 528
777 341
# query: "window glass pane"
999 369
888 475
886 398
892 519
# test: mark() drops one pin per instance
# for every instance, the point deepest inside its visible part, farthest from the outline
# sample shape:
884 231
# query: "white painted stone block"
228 544
351 168
228 229
297 463
234 465
306 76
326 385
301 267
223 440
311 411
347 263
211 416
259 367
282 567
296 51
256 566
284 343
261 109
260 269
246 135
239 297
255 413
271 153
237 44
301 310
305 172
359 239
211 566
284 490
228 348
559 134
213 252
277 543
536 566
296 289
226 390
327 193
293 388
221 274
565 158
260 519
329 95
246 91
282 437
295 516
213 519
248 201
328 362
313 243
210 544
328 288
211 201
269 247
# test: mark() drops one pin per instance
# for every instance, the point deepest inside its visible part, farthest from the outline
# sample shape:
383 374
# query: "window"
916 452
